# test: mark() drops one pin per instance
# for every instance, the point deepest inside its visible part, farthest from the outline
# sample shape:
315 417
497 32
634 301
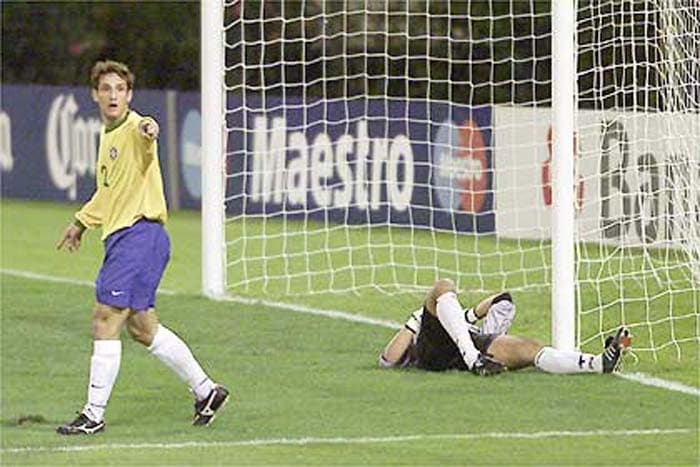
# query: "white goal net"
374 146
638 250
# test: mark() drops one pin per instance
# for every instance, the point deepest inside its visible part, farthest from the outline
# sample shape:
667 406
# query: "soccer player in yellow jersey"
129 206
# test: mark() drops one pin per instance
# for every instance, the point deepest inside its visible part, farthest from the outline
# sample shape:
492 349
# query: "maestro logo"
191 154
460 173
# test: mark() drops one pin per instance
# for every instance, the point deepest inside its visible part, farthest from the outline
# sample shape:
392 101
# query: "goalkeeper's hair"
103 67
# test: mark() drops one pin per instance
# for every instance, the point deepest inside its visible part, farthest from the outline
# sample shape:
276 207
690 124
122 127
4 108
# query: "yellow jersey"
129 182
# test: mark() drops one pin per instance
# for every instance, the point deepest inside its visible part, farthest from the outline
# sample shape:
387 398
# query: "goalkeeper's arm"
397 351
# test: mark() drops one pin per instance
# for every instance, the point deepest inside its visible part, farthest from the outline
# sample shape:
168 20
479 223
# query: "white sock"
552 360
172 351
451 316
104 368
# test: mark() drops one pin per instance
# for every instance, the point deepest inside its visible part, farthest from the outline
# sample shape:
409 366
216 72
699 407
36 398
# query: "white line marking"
61 280
334 314
660 383
43 277
235 299
342 440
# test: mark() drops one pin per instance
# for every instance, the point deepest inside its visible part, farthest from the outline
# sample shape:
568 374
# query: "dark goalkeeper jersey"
436 351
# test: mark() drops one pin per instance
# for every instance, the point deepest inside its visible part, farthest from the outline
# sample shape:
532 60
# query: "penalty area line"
639 378
348 441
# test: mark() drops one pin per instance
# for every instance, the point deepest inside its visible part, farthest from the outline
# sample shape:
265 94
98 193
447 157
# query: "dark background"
58 42
498 52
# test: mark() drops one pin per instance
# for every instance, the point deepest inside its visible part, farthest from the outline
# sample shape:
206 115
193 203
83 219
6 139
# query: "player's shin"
451 316
104 368
174 353
551 360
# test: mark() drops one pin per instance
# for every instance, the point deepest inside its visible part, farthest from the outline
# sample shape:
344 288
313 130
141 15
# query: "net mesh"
376 146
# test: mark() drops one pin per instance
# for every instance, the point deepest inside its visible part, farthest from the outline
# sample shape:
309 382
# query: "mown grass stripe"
335 314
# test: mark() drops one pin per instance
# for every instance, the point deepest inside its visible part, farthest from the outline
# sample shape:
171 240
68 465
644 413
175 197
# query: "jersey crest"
113 153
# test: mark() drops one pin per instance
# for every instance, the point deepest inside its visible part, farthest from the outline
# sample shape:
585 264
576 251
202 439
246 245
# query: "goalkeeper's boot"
486 365
82 425
614 345
205 410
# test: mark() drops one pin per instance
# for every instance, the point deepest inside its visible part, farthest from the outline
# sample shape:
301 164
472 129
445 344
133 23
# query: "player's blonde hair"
103 67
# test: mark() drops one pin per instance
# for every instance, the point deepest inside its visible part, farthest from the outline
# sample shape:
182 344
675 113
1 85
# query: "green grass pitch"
306 389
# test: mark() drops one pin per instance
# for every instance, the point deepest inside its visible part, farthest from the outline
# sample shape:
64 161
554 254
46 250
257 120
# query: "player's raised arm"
149 128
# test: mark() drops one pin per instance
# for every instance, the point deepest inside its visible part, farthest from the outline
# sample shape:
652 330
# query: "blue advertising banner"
362 161
49 137
356 161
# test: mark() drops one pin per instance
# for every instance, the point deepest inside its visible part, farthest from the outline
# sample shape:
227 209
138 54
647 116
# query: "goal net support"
357 149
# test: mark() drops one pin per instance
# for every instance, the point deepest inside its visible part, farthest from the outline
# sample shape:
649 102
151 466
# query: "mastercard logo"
460 167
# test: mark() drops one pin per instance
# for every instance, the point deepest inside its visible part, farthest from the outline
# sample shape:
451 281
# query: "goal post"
213 109
563 112
355 151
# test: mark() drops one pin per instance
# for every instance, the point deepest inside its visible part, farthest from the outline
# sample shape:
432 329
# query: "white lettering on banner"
321 169
400 149
343 197
361 164
298 170
285 167
71 144
6 159
460 168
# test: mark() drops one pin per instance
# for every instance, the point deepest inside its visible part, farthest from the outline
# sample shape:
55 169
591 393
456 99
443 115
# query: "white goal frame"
213 106
563 109
564 217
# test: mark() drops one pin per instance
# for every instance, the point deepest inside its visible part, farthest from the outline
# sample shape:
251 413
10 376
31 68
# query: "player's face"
113 96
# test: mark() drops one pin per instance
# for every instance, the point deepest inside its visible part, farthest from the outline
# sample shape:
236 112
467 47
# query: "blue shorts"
135 258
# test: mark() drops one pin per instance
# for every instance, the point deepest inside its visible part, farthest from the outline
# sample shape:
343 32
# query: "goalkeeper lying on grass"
442 336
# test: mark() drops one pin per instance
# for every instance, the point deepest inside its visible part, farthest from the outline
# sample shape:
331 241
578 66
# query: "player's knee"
101 329
140 334
143 326
440 287
107 322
